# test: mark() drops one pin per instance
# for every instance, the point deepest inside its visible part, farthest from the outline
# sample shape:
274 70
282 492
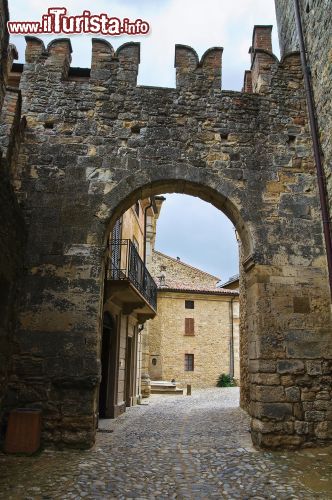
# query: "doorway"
107 390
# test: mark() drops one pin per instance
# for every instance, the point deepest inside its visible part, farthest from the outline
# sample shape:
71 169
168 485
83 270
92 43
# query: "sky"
201 25
199 234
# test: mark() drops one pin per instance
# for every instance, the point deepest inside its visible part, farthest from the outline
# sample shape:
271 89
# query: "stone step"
164 387
174 392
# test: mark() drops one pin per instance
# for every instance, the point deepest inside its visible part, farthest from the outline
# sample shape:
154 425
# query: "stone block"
265 378
277 441
290 366
302 427
309 344
322 430
323 395
307 395
287 380
274 411
314 367
267 393
314 416
322 405
298 411
292 394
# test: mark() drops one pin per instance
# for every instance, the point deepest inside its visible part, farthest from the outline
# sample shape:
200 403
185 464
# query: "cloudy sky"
199 234
202 236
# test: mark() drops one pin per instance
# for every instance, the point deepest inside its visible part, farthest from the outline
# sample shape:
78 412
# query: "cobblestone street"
173 447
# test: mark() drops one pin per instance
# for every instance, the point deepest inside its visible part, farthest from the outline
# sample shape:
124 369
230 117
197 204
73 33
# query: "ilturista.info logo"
57 21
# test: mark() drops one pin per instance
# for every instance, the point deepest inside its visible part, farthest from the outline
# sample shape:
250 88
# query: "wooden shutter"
189 326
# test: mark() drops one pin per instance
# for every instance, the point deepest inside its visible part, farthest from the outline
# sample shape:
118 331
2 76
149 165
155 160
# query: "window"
189 304
137 208
188 362
189 326
154 361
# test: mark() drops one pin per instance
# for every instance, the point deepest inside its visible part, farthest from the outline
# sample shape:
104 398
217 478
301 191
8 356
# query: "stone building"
195 335
81 146
130 298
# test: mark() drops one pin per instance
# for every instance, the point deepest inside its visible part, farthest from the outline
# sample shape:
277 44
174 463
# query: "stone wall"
317 32
175 273
11 222
93 147
210 343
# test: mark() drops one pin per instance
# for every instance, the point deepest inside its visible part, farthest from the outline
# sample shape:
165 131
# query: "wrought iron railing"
126 264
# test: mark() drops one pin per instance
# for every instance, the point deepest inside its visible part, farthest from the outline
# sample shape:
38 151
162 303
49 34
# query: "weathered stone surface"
314 367
290 366
265 378
273 411
302 427
12 232
292 394
318 40
267 393
92 147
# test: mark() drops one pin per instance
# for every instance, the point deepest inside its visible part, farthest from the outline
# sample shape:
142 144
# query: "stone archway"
204 187
84 160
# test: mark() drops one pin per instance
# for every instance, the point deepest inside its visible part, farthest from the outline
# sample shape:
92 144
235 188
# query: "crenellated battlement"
190 71
57 55
120 67
264 64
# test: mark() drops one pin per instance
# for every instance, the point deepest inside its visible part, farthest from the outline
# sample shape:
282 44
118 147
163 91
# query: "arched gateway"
95 143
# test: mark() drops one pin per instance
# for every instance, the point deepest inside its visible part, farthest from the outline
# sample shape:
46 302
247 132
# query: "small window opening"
154 361
224 136
291 139
189 304
49 125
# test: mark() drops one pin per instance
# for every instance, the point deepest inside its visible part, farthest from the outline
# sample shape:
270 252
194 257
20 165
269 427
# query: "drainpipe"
231 339
315 141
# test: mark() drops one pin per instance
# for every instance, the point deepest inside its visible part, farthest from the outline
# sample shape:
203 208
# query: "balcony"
129 283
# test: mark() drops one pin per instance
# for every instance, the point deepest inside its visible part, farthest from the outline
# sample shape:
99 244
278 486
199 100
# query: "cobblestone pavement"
174 447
